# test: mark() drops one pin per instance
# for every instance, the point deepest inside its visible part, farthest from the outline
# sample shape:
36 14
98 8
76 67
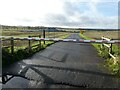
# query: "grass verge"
109 63
22 52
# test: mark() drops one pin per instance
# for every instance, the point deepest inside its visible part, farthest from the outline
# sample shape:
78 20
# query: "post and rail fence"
30 40
110 46
110 49
104 42
30 43
12 44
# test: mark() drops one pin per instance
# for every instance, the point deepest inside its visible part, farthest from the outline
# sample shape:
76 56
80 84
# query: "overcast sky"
62 13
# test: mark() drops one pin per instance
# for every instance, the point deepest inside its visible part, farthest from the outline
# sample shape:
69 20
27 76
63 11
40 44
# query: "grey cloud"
24 20
55 18
71 8
88 20
83 20
59 19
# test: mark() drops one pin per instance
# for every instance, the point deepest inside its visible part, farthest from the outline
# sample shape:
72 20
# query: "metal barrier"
29 39
70 40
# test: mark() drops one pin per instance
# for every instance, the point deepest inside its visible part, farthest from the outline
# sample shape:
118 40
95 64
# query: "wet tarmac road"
62 65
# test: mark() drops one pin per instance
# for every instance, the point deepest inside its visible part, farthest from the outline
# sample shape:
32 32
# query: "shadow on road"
75 70
32 66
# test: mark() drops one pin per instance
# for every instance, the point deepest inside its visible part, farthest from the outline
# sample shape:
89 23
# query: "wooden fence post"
12 45
40 42
44 35
102 46
111 48
29 45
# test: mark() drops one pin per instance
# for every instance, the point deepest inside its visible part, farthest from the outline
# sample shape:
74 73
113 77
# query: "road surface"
62 65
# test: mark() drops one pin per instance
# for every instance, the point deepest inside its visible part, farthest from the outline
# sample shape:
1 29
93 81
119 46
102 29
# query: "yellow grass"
99 34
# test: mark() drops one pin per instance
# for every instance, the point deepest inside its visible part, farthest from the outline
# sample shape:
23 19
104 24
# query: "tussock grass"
113 67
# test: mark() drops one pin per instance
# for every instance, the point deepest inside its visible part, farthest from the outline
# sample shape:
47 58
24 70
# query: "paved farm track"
62 65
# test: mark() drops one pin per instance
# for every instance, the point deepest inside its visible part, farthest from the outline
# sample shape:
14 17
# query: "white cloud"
54 13
12 10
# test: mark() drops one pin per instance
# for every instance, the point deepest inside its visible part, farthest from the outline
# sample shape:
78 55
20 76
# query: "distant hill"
50 29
